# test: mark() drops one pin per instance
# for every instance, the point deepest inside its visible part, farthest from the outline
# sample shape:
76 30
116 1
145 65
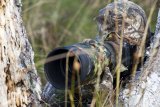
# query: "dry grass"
54 23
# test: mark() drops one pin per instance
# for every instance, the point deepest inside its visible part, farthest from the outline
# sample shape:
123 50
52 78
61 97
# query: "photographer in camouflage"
116 21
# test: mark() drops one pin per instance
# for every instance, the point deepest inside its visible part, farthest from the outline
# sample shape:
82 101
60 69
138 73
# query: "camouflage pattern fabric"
112 17
99 80
110 23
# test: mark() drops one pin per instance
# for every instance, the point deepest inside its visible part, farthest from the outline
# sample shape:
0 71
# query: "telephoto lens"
81 60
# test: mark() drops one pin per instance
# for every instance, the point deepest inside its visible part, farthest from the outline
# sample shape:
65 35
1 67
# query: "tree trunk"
19 83
146 92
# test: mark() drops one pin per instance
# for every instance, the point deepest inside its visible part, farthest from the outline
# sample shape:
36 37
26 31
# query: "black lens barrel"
55 67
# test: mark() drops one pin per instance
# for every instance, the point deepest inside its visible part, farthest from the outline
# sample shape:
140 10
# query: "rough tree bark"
19 83
146 92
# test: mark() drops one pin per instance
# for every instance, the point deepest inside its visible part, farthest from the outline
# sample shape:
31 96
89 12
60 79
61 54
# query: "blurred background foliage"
54 23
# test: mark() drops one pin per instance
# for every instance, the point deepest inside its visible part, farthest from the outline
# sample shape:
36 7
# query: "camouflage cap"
111 19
